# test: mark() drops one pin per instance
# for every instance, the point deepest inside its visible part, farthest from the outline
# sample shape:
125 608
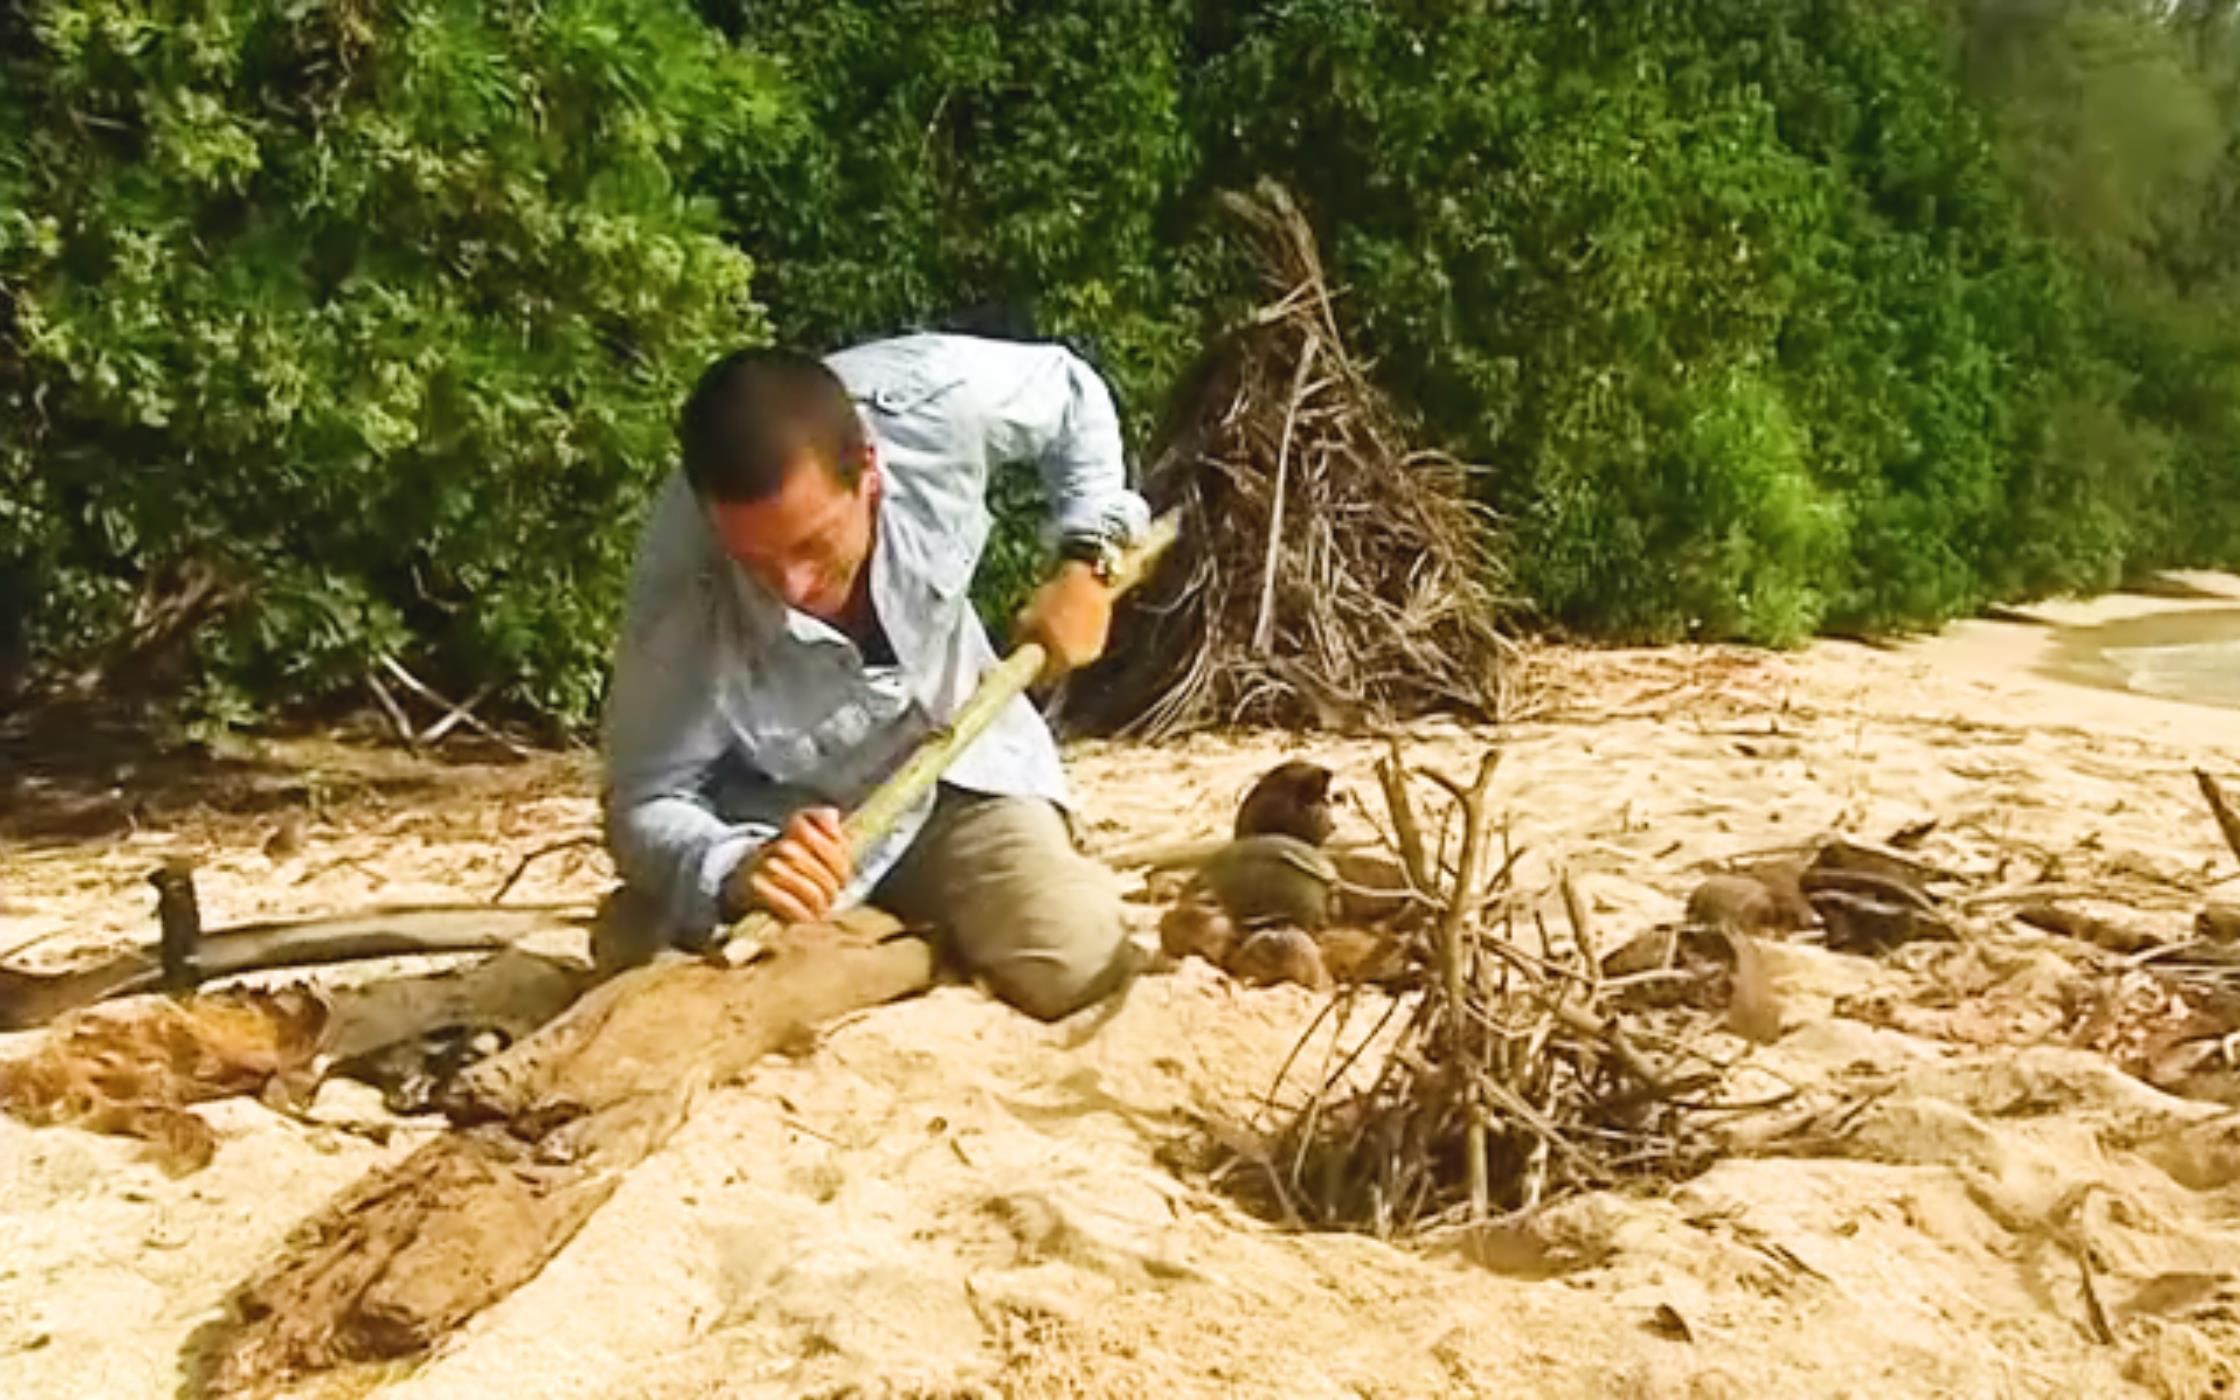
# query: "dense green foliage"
378 310
1766 315
1747 303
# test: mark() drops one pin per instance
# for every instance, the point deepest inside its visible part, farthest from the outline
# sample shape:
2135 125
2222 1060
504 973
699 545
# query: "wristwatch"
1100 554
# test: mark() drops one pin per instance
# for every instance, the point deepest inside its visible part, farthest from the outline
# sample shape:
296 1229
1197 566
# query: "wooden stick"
2220 808
29 998
389 707
179 918
1263 626
1582 928
2088 928
999 686
1461 906
428 693
572 843
464 710
1392 775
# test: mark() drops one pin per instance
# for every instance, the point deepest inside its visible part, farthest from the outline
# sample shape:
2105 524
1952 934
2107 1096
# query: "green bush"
999 165
2118 122
379 310
1715 288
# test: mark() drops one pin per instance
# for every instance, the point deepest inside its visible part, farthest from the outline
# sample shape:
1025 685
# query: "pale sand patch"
944 1198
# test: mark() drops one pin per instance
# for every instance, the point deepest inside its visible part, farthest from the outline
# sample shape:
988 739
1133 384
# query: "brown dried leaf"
131 1068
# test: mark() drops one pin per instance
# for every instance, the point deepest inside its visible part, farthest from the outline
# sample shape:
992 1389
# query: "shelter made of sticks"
1328 574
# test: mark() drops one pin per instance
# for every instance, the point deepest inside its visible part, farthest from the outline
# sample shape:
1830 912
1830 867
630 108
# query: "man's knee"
1071 959
1042 923
1050 939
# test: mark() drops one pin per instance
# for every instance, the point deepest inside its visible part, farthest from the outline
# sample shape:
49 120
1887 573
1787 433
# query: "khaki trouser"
999 882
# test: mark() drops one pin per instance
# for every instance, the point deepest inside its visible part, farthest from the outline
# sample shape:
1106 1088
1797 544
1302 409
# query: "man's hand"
1070 616
798 874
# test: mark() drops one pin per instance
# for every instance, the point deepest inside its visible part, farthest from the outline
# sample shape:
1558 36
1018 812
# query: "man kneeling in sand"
799 618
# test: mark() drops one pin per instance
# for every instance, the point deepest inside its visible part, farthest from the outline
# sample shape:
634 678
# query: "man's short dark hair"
750 417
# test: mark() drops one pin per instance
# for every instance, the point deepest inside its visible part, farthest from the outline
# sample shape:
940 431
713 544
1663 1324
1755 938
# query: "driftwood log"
546 1132
30 999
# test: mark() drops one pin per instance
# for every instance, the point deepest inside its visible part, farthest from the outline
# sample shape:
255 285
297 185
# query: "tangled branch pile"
1326 574
1513 1077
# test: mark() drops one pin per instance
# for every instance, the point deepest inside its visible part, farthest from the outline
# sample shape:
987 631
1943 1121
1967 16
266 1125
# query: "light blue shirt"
729 710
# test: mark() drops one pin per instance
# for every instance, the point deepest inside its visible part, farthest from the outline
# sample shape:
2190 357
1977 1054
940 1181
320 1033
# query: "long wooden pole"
30 999
891 800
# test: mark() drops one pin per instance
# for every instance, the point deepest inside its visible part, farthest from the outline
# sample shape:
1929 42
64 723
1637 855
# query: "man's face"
809 542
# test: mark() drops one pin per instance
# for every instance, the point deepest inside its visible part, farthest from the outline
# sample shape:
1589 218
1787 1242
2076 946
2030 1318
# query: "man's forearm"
681 853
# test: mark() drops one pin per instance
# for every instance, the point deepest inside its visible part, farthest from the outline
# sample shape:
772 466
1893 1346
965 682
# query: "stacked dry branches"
1326 574
1508 1079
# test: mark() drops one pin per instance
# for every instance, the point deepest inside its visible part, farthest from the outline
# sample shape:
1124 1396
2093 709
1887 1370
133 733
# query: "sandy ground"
946 1199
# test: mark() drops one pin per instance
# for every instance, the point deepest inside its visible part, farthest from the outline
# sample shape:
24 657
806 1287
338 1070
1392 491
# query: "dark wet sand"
2190 654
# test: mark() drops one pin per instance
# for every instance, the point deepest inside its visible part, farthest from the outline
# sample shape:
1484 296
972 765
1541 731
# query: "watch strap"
1100 554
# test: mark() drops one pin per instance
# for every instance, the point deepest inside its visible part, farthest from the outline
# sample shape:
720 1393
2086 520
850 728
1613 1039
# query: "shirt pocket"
774 706
908 392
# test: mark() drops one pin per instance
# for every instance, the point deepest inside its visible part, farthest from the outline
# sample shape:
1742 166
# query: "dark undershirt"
876 649
862 624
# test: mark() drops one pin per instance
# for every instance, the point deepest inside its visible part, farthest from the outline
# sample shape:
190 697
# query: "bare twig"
1263 627
1393 774
521 868
391 708
1461 903
2220 808
460 712
1582 930
418 687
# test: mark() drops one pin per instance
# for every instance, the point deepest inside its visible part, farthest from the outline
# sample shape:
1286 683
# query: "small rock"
1198 926
2218 923
1667 1322
287 837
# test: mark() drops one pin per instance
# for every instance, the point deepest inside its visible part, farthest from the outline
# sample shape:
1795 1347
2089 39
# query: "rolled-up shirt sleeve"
1044 404
662 732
